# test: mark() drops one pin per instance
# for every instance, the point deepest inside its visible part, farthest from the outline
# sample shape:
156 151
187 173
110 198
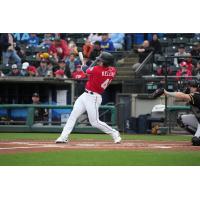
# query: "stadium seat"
171 35
180 40
188 49
165 41
81 40
187 35
31 58
195 39
171 50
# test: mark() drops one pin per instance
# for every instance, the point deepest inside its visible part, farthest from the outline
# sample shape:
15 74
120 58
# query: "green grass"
51 136
102 158
99 157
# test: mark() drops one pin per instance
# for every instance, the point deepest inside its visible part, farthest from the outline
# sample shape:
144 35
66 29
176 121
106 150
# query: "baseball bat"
80 54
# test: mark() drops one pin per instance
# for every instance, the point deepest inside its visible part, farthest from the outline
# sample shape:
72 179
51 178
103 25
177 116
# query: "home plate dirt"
46 146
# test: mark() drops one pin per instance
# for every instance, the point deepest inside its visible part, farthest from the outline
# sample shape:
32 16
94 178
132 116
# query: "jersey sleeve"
195 99
90 70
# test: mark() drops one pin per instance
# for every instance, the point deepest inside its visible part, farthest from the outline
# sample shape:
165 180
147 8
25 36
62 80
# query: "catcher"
191 122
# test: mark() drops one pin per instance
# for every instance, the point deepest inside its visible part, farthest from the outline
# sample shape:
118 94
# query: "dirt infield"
16 146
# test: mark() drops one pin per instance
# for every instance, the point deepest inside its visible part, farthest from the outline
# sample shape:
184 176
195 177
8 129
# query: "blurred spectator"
59 49
196 50
87 49
43 69
190 62
143 51
160 70
23 71
8 49
62 65
14 71
155 44
78 74
117 39
181 53
196 70
128 40
1 74
106 43
73 48
60 73
33 40
47 40
32 71
96 51
72 62
183 72
93 37
20 52
40 114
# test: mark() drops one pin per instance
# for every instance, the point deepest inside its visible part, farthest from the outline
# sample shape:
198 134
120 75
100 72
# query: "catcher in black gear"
191 122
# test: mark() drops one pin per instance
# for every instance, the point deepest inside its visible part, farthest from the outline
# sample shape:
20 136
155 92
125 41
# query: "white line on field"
34 147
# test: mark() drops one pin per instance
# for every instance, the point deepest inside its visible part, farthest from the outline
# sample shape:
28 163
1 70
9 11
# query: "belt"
90 92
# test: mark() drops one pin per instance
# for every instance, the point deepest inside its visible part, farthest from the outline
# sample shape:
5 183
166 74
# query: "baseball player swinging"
99 77
191 122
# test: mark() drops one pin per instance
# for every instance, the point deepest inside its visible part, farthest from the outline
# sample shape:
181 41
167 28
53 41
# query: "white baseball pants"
90 103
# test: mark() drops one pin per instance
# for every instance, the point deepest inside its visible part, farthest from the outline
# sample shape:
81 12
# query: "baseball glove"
159 92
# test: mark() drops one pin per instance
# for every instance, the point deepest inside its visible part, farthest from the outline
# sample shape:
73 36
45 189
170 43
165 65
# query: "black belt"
89 92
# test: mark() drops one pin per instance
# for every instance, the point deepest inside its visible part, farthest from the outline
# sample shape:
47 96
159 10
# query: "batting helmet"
196 141
106 58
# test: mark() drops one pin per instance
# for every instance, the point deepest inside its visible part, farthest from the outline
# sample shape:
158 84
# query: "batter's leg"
78 109
92 107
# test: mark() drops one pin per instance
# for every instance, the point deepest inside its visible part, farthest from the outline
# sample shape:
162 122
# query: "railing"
27 123
144 63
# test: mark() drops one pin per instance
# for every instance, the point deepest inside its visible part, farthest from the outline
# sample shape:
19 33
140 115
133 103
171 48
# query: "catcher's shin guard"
186 127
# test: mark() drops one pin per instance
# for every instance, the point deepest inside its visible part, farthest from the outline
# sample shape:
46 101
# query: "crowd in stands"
185 56
53 55
56 55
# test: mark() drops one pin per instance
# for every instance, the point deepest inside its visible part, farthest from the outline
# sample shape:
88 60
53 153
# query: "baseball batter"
191 122
99 77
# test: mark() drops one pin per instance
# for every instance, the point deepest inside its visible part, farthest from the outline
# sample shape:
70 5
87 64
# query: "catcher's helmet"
106 58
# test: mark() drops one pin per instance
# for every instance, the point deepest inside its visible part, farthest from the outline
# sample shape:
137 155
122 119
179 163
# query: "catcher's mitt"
158 93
